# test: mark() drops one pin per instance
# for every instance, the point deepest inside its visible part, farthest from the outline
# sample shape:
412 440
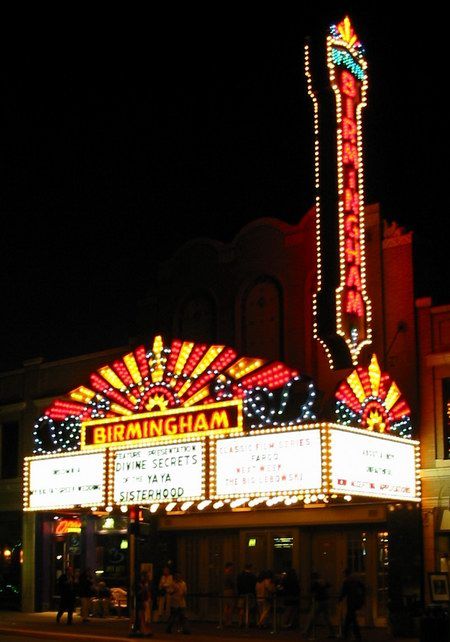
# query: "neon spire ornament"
182 375
342 309
369 399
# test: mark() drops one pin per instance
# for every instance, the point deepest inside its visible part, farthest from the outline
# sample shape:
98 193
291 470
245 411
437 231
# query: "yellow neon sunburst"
181 374
375 422
156 402
369 398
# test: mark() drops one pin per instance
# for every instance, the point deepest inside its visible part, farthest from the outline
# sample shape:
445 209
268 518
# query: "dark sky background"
121 138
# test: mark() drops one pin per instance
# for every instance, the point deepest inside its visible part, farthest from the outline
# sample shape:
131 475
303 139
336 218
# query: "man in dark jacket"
66 588
354 591
319 611
245 584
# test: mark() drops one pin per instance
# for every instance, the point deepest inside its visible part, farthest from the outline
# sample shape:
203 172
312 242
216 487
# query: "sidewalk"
43 625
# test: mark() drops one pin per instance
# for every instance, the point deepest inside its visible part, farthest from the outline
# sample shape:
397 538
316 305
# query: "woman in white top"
164 592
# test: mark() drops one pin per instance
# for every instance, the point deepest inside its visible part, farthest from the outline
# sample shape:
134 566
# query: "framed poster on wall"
439 590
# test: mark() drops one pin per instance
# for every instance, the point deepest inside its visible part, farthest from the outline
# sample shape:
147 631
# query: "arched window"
197 319
262 319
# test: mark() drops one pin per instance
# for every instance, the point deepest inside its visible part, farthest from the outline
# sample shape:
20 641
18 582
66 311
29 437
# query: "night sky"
124 136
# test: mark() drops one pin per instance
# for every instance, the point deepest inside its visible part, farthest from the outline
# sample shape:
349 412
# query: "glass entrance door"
274 550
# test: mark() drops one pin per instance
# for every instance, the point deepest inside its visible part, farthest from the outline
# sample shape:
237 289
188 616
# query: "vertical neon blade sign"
341 279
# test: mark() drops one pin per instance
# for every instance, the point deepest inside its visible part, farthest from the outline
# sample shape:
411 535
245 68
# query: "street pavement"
43 626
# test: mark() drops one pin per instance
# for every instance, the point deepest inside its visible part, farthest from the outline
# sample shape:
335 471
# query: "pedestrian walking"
66 588
143 605
178 593
164 587
289 591
228 593
354 592
86 591
265 589
320 606
104 599
245 585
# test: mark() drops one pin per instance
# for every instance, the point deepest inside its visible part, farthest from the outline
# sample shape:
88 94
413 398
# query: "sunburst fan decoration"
162 378
344 31
370 399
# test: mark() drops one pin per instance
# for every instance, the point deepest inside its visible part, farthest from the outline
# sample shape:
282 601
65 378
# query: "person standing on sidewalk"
178 593
228 593
66 587
320 606
245 584
164 586
86 591
353 590
143 605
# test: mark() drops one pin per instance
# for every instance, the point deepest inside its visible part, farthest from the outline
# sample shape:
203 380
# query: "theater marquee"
381 466
267 464
192 426
172 472
184 422
64 481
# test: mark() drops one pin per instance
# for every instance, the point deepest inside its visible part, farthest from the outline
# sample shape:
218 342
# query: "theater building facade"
265 415
433 330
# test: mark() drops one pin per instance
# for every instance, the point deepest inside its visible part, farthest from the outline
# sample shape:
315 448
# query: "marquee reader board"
270 462
64 481
374 465
174 471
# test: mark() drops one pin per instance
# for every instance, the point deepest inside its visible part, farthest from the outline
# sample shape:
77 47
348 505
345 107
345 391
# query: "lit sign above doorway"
64 526
214 418
174 471
64 481
267 464
285 465
383 467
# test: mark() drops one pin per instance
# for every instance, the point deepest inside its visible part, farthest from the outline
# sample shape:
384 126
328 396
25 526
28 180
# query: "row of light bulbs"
235 503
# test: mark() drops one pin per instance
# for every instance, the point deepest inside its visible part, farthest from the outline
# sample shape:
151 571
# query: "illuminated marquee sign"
172 472
214 418
64 482
290 464
267 464
172 390
340 206
372 465
370 399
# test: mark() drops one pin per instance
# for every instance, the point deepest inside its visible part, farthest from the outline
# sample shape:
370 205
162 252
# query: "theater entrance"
275 549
